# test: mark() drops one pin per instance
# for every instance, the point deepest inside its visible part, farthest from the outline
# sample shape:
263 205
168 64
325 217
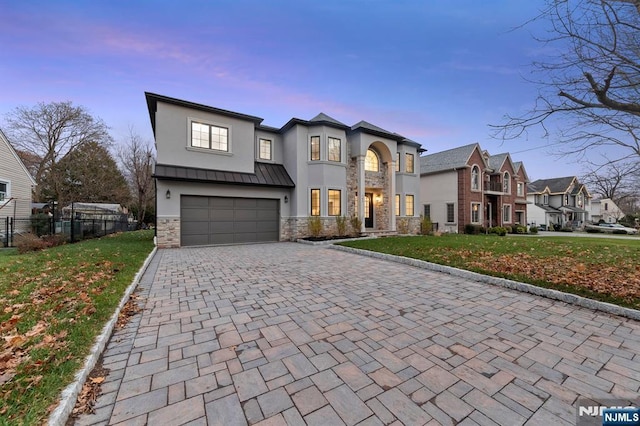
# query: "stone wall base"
168 232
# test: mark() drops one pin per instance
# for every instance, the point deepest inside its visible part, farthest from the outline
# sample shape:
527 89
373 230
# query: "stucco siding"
438 190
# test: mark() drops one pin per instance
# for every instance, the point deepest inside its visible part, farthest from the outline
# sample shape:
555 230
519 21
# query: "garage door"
225 220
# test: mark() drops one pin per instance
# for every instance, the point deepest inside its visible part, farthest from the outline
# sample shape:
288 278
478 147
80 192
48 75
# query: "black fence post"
10 233
5 240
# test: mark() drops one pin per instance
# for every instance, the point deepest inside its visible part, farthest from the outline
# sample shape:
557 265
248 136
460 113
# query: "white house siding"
536 215
440 189
19 183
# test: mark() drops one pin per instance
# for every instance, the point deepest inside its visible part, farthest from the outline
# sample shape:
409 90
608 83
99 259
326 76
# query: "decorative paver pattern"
284 333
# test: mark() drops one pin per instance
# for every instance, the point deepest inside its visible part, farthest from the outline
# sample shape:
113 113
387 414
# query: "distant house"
101 211
16 184
558 202
606 210
466 185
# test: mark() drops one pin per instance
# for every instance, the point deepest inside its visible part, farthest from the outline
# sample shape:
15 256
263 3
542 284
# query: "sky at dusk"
437 72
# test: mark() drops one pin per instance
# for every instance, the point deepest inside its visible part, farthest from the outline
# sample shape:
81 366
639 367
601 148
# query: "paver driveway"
293 334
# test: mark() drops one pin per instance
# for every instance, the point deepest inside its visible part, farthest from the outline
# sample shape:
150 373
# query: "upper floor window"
580 200
566 199
506 187
545 199
397 161
335 149
408 205
209 136
606 206
4 190
335 197
475 178
371 161
315 148
264 149
520 189
408 163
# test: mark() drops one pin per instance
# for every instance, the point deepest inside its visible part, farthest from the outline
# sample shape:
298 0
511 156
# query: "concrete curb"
70 394
502 282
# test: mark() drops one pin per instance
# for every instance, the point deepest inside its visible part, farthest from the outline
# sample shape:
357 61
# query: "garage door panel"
226 220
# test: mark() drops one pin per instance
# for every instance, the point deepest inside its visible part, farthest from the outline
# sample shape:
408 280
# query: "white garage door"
226 220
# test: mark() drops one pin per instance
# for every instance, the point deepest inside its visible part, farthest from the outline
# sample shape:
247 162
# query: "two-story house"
558 202
224 177
606 210
16 184
466 185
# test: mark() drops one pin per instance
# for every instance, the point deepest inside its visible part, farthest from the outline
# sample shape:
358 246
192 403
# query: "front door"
368 210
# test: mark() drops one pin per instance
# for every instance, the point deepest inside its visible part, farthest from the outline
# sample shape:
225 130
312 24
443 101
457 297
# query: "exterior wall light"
286 199
168 194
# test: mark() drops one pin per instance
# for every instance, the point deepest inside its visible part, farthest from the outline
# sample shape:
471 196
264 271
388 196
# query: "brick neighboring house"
558 202
224 177
466 185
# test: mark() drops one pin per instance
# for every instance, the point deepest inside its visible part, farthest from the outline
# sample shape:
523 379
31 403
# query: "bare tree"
136 159
590 88
50 131
617 181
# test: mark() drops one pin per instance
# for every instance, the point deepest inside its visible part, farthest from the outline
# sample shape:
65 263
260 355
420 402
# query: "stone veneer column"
391 172
361 191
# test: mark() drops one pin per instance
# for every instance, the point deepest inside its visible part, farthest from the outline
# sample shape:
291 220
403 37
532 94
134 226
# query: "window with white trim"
475 212
506 183
506 213
4 191
209 136
397 204
314 149
475 178
315 202
264 149
408 205
408 163
520 189
397 161
334 146
335 198
371 161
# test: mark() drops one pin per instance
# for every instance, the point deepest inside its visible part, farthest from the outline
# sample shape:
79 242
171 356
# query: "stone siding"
168 233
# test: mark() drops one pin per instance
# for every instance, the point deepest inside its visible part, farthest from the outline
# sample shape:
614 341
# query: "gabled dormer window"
545 199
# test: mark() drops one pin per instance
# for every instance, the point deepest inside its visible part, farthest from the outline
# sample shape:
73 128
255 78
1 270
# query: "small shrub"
31 242
55 240
533 229
426 225
314 226
341 224
402 225
510 229
498 230
521 229
356 225
40 223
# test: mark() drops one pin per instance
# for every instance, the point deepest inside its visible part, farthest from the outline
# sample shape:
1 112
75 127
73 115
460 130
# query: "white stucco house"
605 209
16 185
225 177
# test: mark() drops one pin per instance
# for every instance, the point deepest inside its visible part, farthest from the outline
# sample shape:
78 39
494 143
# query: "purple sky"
436 71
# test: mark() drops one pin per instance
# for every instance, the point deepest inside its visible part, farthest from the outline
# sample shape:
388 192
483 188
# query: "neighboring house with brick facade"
466 185
224 177
16 184
558 202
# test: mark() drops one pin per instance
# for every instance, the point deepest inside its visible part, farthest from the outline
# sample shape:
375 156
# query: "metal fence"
73 229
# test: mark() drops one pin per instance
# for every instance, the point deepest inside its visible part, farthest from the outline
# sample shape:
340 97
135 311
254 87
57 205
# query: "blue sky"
435 71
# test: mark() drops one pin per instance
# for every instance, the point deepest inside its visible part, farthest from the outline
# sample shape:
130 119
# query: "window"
580 200
566 199
397 161
371 161
408 205
606 206
545 199
475 212
334 202
408 163
520 189
397 204
264 149
335 151
3 191
475 178
506 188
209 136
427 211
506 213
315 148
315 202
451 217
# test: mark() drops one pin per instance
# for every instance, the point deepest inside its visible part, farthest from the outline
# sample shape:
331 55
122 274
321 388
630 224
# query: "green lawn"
55 302
605 269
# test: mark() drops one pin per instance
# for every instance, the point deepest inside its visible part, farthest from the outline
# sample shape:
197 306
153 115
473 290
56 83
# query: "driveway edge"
70 394
502 282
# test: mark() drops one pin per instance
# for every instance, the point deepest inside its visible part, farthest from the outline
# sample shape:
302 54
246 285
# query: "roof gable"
449 160
555 185
5 140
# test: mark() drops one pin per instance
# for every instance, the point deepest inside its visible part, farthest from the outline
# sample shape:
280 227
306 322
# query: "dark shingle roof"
324 118
266 174
555 185
447 160
496 161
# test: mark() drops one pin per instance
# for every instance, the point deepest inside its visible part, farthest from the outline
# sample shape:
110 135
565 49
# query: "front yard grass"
54 304
604 269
